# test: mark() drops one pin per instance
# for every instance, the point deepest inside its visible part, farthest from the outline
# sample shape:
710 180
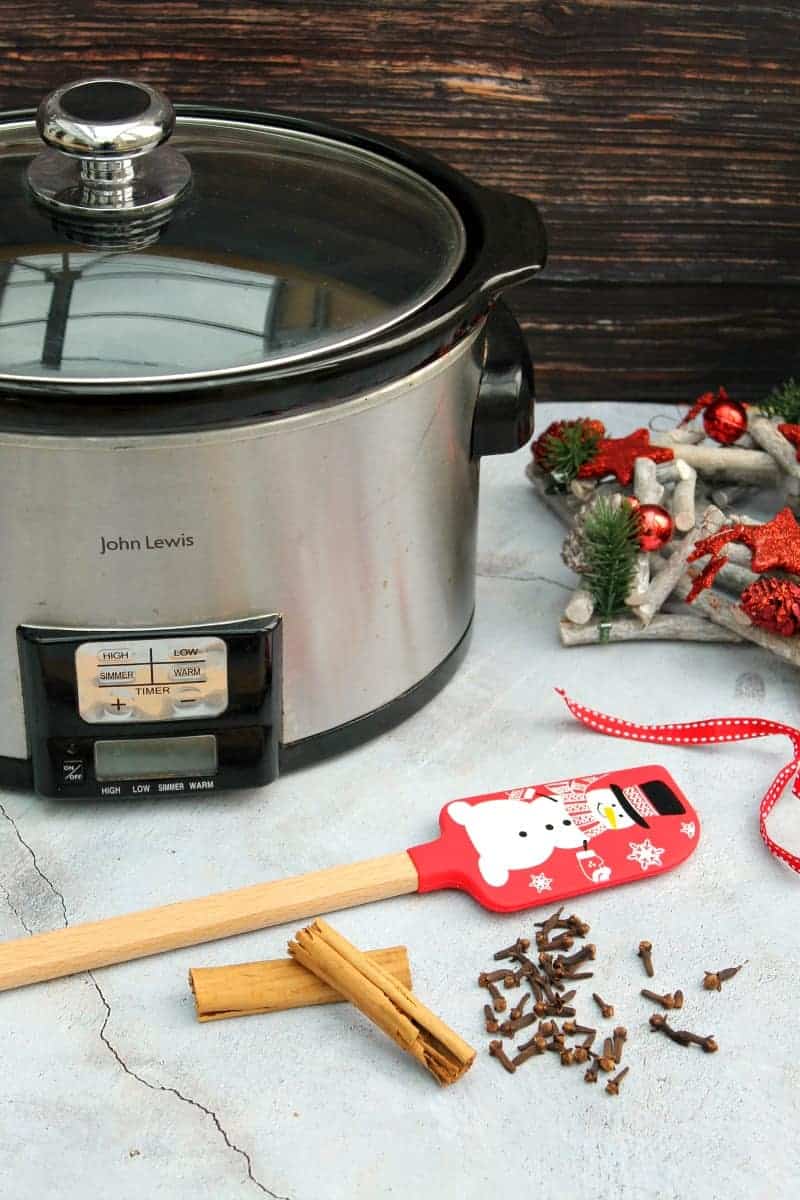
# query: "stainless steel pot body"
356 523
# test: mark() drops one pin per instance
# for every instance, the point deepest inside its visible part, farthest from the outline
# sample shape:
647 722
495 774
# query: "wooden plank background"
660 138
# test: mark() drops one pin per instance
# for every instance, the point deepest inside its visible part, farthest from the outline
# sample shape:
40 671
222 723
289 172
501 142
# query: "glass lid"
237 246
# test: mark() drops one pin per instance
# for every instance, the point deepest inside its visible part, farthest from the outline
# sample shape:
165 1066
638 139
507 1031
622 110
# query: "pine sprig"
783 402
562 454
610 547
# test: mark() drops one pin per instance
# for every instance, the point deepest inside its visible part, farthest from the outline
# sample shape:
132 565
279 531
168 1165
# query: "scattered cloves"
606 1009
645 953
496 1050
519 947
612 1087
713 980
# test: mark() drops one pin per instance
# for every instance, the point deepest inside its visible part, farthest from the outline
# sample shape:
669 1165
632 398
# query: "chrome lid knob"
105 121
105 151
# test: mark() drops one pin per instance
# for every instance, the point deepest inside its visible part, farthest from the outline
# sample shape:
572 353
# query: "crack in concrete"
524 579
153 1087
36 866
14 910
161 1087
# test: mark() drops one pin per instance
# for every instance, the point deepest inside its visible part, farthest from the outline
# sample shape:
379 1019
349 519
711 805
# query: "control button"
121 656
180 672
118 706
73 770
115 676
187 698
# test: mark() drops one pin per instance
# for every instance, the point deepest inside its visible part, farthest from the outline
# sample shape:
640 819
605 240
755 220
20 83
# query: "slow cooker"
246 380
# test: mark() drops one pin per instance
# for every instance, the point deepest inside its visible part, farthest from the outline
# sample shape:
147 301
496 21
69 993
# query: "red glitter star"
775 545
792 434
616 456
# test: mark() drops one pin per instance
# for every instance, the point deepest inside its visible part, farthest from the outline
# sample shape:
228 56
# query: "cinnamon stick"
243 989
392 1007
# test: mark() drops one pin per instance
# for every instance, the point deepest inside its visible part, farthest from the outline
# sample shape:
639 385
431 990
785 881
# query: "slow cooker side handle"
503 419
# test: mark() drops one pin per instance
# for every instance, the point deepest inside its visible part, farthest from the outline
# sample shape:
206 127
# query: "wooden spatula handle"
153 930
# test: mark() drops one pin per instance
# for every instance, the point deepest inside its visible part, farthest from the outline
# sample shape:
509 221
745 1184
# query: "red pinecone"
773 604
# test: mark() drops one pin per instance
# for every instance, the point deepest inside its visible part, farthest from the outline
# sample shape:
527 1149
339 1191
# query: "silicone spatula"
510 850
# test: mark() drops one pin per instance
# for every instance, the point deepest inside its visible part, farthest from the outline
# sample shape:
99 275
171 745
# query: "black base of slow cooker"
17 773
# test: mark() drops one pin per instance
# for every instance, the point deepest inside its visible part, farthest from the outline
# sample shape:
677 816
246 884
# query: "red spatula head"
546 842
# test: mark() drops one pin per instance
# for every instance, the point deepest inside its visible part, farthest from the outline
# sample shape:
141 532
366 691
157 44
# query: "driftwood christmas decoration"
684 486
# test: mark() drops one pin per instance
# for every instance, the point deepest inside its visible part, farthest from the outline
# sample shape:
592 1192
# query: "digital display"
155 758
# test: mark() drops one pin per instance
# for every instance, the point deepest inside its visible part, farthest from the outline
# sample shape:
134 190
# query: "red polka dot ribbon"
693 733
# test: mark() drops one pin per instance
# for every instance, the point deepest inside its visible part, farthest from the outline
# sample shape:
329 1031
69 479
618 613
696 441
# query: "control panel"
152 712
166 679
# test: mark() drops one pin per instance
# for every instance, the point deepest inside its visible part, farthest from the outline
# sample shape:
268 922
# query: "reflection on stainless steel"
96 312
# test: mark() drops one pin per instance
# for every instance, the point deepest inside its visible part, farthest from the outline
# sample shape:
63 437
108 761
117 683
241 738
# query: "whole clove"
585 954
524 1055
573 976
683 1037
519 947
606 1009
668 1000
498 1001
577 927
487 977
517 1010
509 1028
571 1027
606 1061
620 1037
645 953
492 1025
590 1074
564 941
567 1057
550 922
496 1050
713 980
612 1087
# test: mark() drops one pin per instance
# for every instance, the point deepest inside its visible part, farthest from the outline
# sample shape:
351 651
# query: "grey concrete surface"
111 1089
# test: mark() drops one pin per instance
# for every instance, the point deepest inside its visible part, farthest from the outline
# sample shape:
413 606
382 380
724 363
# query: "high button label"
163 679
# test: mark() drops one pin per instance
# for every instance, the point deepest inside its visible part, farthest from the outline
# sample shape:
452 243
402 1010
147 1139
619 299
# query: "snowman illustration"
521 833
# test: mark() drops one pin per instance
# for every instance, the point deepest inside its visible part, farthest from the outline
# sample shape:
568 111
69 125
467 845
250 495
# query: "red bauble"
773 604
655 526
725 420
